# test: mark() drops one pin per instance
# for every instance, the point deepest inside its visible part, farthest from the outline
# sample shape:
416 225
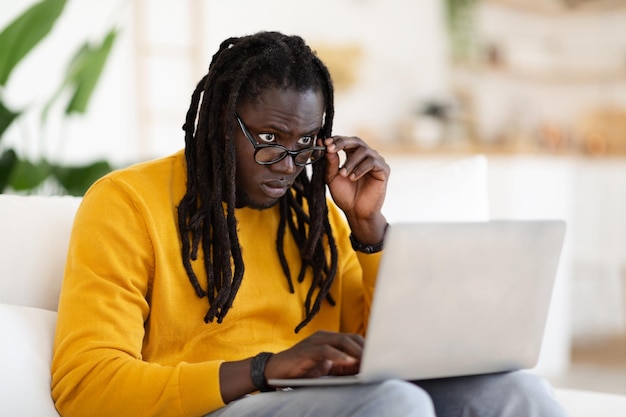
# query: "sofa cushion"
25 353
35 237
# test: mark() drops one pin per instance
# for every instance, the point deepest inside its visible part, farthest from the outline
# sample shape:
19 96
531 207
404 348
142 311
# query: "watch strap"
367 248
257 371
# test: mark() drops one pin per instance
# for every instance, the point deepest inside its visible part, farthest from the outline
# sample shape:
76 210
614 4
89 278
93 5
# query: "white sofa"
34 233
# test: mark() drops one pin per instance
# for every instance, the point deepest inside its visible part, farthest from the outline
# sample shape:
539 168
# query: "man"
193 279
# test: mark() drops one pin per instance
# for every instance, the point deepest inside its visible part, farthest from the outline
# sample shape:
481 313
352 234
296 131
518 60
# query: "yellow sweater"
130 338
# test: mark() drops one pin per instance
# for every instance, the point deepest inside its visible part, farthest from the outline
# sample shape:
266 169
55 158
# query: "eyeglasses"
267 154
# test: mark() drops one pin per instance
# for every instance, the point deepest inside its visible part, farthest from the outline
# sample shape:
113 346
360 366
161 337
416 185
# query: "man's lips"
275 189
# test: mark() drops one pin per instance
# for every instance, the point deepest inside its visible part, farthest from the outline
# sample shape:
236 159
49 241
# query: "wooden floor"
610 353
600 366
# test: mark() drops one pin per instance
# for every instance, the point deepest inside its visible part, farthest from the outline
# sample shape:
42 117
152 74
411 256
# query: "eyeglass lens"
273 154
270 154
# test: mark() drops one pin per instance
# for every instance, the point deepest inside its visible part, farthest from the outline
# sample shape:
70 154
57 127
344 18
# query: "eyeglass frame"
293 154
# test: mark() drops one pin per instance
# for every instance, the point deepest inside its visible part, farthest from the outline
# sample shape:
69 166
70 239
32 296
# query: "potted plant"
17 40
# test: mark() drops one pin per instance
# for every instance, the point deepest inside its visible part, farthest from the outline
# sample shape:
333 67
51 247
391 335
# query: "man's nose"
285 165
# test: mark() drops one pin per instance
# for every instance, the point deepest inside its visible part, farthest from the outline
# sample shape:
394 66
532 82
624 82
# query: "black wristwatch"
361 247
257 372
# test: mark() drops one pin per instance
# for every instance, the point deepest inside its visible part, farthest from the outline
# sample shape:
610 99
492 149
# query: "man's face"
284 117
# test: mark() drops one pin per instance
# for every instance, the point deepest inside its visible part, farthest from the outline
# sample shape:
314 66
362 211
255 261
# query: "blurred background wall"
513 75
396 52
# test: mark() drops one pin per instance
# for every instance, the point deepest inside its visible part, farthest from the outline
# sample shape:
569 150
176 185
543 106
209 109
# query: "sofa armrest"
33 248
437 189
25 352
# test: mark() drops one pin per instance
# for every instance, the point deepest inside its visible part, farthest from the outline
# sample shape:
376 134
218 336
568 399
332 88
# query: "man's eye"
267 137
306 140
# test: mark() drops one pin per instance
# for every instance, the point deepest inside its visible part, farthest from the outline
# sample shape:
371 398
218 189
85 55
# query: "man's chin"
244 200
262 206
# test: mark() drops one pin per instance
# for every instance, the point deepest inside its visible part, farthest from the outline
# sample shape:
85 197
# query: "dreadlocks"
241 70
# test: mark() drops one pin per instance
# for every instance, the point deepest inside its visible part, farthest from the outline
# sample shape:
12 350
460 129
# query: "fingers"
335 353
360 158
338 347
334 350
323 353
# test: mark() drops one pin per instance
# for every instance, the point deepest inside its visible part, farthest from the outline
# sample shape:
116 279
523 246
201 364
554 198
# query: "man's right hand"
322 353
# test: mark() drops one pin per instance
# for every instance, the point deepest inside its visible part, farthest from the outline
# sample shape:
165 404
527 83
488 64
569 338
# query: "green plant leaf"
25 32
76 180
6 118
28 175
86 70
75 67
7 163
82 75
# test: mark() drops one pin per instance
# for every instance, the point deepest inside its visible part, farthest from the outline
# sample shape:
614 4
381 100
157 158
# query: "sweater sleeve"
97 367
358 278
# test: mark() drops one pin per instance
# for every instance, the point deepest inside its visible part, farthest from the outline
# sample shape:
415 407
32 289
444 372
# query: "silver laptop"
455 299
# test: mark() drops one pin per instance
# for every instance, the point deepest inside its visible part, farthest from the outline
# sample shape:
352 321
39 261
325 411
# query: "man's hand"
358 187
323 353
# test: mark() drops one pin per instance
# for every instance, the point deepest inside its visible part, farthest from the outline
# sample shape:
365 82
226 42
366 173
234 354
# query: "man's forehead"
287 102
